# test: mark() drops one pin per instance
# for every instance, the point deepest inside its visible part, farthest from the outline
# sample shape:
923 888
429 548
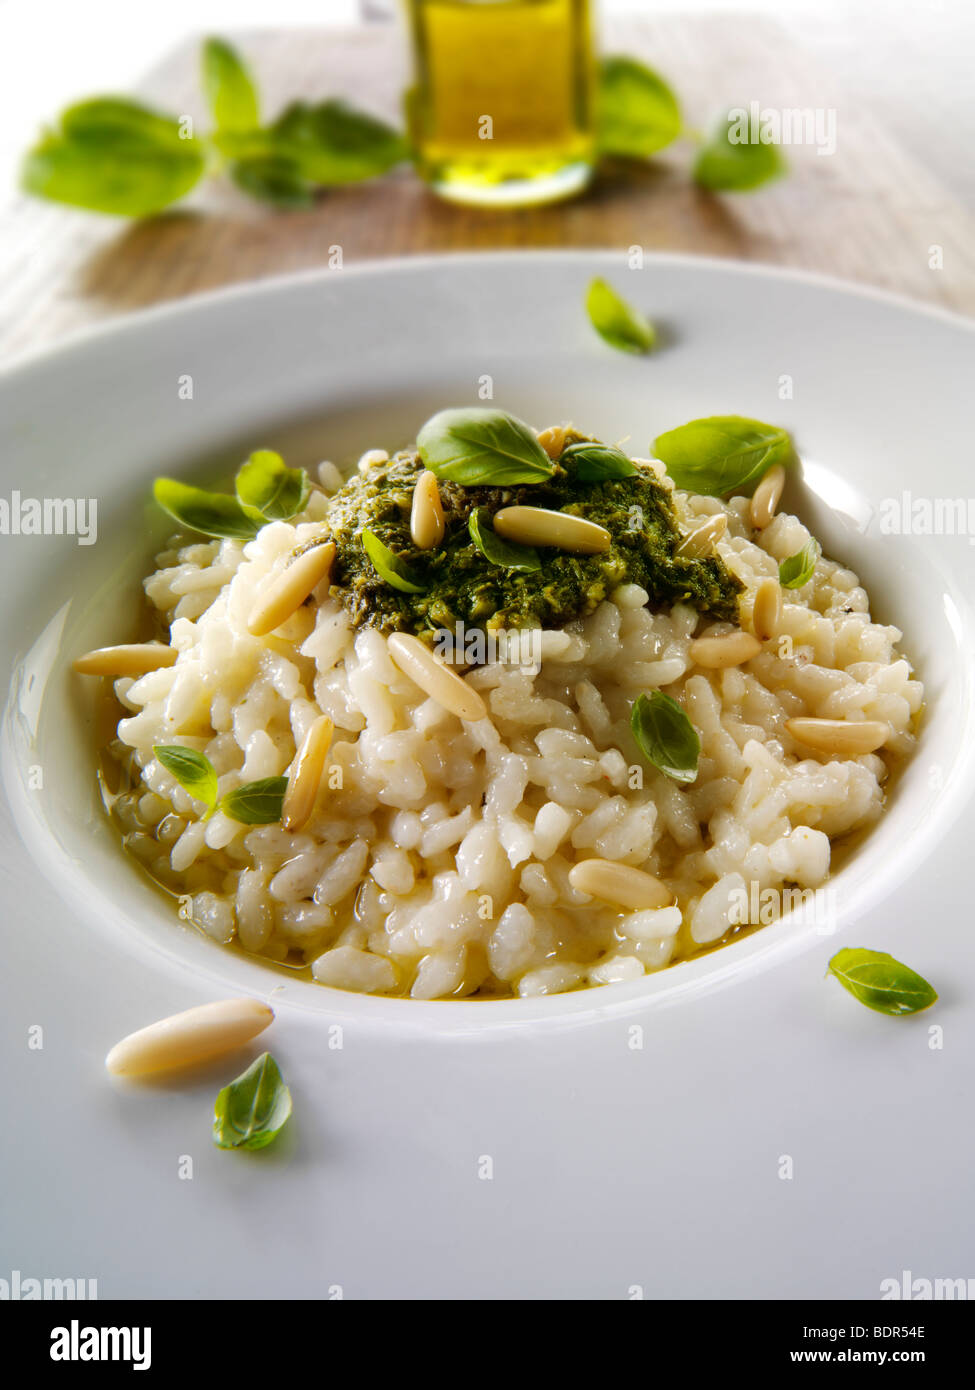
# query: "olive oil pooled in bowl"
501 111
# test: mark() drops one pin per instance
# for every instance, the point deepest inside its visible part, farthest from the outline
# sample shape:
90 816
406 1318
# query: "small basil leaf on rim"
210 513
265 484
721 453
506 554
881 982
616 322
192 770
477 446
251 1112
594 463
638 112
229 87
389 566
665 736
798 568
256 803
732 162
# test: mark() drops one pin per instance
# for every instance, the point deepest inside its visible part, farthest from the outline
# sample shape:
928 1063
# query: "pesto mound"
461 585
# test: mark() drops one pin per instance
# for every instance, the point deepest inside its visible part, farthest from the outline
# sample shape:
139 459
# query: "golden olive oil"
502 107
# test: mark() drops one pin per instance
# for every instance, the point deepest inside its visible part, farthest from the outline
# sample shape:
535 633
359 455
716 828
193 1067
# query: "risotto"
393 812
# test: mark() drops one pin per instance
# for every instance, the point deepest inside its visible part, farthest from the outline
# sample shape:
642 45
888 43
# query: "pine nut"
434 677
731 649
537 526
552 440
372 458
306 774
701 540
426 515
286 593
767 609
620 884
186 1038
845 736
134 659
766 497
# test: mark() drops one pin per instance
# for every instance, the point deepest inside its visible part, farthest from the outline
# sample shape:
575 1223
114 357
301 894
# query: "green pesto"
461 585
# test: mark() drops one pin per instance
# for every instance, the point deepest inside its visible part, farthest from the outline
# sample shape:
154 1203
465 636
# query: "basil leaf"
210 513
594 463
616 322
272 180
389 566
229 87
332 143
881 982
267 485
256 803
477 446
798 568
194 772
638 112
665 736
114 156
727 164
251 1112
722 453
500 552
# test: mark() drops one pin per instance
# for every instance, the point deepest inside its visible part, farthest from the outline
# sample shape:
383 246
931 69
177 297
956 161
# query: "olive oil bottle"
501 111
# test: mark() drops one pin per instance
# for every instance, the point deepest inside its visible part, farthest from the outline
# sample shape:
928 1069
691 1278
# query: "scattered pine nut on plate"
182 1040
473 719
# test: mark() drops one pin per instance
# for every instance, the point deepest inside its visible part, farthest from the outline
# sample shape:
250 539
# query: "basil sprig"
728 165
476 446
638 112
617 322
251 1112
255 803
506 554
665 736
596 463
798 568
389 566
210 513
114 156
266 491
881 982
229 87
722 453
194 772
117 156
331 143
273 179
265 485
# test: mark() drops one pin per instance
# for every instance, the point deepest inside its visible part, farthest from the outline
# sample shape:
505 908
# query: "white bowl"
327 364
